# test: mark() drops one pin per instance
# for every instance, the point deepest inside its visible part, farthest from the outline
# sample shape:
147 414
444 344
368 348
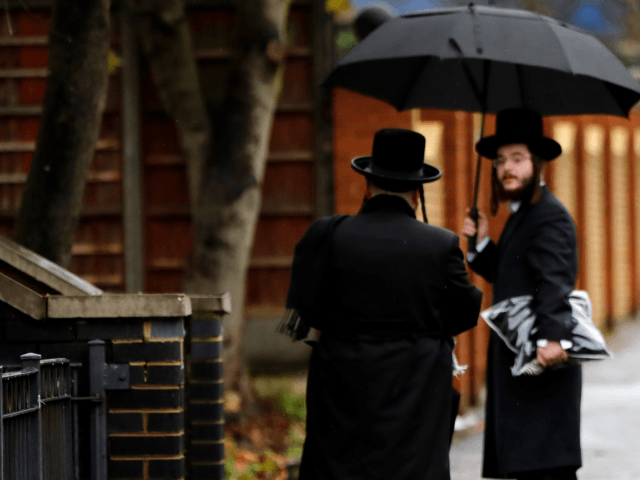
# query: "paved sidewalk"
610 417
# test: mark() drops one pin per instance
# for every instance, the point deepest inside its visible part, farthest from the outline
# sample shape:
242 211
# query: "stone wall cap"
119 305
44 270
211 303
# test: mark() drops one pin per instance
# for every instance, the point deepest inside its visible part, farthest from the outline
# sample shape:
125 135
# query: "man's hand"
469 227
551 355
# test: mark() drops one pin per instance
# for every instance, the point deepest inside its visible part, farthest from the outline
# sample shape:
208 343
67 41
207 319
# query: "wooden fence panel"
635 201
433 131
620 206
564 168
595 225
98 251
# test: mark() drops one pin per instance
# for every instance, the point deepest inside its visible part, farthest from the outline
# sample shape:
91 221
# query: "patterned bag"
513 321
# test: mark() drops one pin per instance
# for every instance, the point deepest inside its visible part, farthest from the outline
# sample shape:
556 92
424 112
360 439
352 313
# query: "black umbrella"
487 59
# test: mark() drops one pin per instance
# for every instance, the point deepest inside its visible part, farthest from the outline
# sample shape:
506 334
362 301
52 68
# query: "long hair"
497 191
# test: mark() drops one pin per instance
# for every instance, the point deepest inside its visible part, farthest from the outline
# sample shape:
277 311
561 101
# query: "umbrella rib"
615 98
555 35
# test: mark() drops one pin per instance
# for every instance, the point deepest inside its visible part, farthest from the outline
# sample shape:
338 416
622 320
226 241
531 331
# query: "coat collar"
386 202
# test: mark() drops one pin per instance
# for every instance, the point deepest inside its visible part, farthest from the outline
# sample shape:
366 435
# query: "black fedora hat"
397 157
519 125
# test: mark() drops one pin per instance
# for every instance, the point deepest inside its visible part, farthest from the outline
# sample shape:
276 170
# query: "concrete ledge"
119 305
22 298
43 270
211 303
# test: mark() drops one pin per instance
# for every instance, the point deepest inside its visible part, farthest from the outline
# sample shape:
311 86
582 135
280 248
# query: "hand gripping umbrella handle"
473 213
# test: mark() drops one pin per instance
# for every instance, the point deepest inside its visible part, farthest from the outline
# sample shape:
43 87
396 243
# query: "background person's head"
519 152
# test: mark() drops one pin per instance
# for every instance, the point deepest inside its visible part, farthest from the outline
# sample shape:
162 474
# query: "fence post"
97 367
32 361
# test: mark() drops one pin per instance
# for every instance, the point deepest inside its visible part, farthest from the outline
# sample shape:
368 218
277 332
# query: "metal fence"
39 422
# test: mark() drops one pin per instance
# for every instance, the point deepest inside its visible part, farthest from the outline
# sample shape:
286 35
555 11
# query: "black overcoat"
532 422
379 395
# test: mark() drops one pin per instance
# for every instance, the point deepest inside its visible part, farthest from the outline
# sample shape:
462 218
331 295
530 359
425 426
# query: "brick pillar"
146 422
205 392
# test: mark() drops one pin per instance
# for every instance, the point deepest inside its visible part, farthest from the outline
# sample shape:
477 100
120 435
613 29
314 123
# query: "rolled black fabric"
514 322
312 255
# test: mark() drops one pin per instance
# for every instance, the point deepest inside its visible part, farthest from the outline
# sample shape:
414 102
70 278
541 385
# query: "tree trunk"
73 105
163 31
230 194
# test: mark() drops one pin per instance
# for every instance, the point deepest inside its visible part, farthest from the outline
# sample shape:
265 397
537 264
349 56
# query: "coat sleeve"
483 263
551 261
462 301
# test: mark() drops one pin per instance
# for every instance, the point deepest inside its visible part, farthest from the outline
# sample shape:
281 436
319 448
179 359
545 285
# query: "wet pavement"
610 417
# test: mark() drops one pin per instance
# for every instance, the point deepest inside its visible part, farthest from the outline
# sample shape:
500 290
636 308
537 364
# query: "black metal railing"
39 416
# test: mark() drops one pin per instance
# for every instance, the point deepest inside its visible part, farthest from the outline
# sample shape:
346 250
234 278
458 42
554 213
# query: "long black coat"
379 397
532 422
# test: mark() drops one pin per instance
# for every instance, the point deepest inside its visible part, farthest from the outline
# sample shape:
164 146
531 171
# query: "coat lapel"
515 220
512 225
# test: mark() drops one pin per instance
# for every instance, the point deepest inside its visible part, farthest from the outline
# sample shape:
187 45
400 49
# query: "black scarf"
312 255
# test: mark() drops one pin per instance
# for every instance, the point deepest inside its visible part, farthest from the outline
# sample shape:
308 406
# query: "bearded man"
532 422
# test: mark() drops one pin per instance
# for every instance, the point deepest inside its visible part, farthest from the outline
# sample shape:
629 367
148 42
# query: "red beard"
518 194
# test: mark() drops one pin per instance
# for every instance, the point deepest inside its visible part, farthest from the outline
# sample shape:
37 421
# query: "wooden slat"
113 280
167 263
283 261
168 211
29 41
24 72
83 249
21 110
16 146
36 110
291 156
277 208
165 159
225 53
286 106
86 212
107 176
268 208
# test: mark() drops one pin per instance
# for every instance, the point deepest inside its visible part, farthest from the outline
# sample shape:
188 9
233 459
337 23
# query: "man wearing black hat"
387 293
532 428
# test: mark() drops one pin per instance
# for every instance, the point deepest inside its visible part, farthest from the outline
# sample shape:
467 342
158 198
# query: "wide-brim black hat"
397 156
519 125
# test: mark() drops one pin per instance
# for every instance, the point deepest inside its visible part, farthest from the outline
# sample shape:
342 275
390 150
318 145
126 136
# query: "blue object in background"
600 17
603 18
399 7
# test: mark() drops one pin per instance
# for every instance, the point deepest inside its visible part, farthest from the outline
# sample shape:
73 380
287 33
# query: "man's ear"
367 191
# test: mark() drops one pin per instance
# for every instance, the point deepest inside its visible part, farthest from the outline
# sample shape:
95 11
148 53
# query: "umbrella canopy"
487 59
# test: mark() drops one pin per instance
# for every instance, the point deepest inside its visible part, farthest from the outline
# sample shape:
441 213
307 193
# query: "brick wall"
205 391
146 434
146 422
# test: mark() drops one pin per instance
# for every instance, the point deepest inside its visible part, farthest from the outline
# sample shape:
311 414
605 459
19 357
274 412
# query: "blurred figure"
532 429
394 291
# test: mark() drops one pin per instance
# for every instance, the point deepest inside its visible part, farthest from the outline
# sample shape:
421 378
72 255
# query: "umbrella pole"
473 213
